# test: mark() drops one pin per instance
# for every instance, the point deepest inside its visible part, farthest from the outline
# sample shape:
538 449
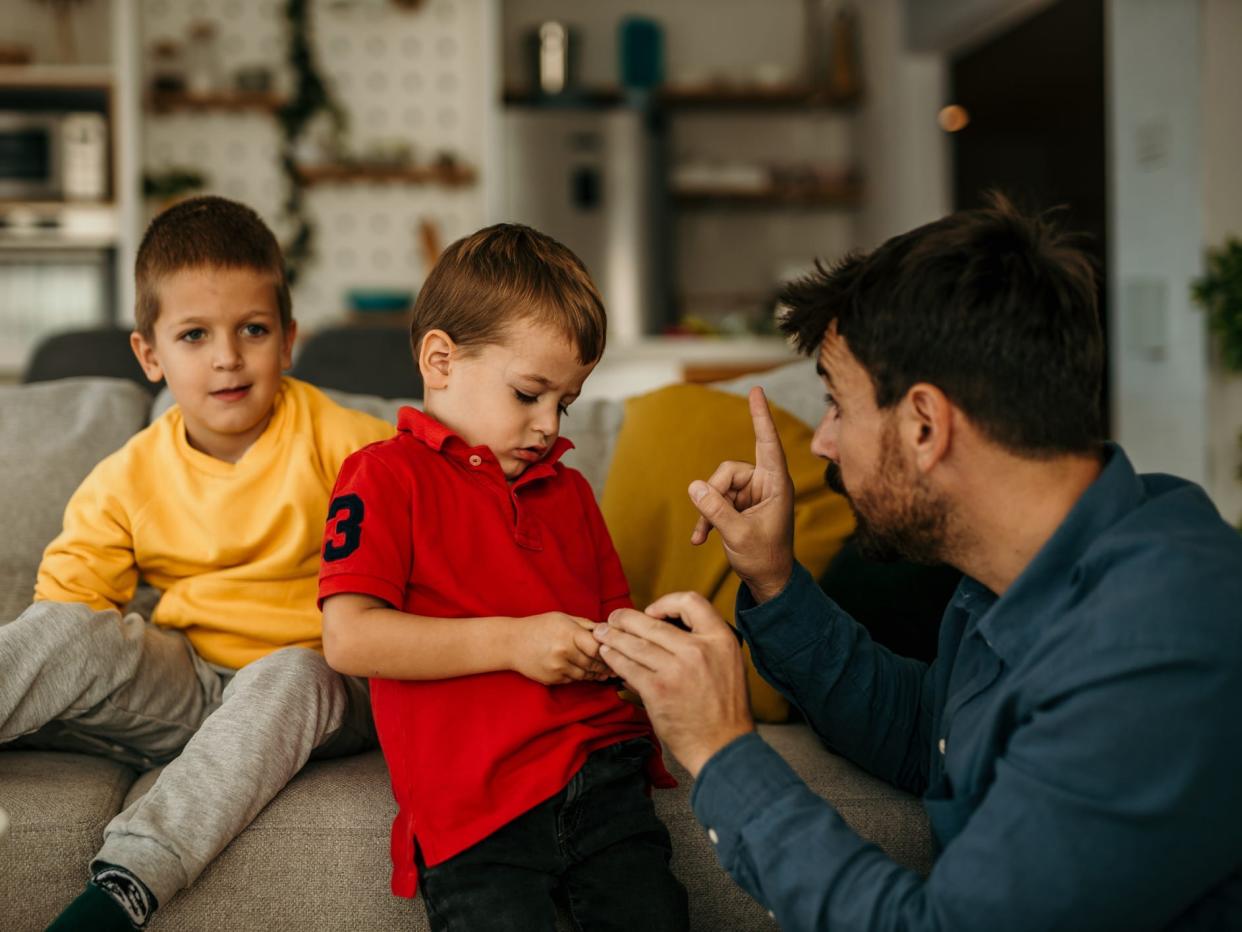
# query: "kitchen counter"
642 365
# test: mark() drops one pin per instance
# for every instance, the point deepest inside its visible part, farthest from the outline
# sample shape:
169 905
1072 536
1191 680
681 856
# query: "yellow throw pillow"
669 438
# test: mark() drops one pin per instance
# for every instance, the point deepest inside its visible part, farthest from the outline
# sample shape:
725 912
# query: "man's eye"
525 398
254 330
194 336
563 409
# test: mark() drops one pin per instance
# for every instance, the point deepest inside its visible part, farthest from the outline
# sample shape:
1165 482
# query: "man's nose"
824 442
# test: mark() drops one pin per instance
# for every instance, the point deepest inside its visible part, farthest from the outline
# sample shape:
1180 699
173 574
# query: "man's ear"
435 358
288 336
926 424
145 352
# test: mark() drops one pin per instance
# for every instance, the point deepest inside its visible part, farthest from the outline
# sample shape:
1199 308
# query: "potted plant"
1219 292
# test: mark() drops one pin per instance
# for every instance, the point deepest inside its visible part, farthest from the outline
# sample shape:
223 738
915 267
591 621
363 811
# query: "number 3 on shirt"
348 528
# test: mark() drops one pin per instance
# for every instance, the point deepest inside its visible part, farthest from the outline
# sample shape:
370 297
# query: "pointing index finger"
769 454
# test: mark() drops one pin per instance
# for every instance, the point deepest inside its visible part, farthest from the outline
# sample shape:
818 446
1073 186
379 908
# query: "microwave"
53 156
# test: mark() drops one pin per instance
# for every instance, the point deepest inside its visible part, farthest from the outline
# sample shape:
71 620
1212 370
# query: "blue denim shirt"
1077 743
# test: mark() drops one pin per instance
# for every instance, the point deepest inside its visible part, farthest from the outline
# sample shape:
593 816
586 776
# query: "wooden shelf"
791 97
451 176
56 76
755 98
230 101
845 196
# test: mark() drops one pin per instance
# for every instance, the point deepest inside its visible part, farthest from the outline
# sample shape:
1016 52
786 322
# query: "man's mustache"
832 477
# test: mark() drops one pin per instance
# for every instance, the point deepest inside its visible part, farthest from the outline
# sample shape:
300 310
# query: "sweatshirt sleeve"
92 559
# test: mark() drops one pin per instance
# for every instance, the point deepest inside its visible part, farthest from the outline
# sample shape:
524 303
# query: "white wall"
424 78
1222 216
1160 383
903 150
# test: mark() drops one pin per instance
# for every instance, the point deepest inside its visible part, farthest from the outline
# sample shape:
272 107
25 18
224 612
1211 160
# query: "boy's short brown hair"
205 232
484 282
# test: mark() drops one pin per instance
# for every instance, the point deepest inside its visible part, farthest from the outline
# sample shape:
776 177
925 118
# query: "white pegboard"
414 77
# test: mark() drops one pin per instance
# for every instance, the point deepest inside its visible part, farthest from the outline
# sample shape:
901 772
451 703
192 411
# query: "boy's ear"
288 336
145 352
435 358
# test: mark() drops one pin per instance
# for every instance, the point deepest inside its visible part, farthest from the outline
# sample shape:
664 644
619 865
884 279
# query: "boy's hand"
557 648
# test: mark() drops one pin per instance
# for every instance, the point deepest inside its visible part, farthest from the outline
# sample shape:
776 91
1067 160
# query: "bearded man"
1078 740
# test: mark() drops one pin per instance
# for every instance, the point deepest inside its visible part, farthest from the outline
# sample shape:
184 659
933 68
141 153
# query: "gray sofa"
317 856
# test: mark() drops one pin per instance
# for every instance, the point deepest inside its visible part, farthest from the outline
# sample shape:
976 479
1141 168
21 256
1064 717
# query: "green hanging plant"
309 98
1219 292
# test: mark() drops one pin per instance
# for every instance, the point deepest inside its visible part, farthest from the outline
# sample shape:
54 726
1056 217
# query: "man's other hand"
693 683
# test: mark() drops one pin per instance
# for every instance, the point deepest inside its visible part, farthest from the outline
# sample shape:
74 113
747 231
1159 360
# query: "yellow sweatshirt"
234 547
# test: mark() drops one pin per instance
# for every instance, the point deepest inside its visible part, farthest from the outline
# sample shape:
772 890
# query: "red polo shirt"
432 527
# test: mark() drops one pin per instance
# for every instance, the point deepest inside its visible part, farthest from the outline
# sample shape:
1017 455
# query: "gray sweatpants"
75 679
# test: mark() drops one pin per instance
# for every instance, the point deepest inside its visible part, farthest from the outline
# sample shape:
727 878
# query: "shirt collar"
1013 623
425 428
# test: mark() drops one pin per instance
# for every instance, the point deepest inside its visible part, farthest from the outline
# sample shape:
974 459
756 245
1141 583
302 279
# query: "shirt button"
942 745
771 915
712 836
475 459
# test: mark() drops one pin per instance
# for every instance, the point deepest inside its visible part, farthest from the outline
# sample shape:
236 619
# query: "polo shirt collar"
425 428
1016 620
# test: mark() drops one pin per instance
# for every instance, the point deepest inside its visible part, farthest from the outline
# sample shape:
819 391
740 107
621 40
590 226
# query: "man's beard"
896 516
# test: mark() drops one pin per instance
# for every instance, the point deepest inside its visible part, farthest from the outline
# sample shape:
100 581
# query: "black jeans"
596 846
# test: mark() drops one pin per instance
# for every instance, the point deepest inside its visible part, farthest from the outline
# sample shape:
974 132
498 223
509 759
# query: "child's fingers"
586 644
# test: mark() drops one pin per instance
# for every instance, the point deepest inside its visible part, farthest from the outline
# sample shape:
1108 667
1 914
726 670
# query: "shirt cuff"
755 620
736 785
746 599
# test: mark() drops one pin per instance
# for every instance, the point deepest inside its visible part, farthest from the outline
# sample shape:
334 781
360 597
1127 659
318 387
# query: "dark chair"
361 360
101 351
900 604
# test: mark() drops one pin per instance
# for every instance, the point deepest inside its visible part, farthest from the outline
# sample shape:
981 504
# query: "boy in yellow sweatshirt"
220 505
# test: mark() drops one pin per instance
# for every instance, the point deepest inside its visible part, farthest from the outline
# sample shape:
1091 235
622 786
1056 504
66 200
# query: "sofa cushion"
51 435
680 433
315 858
794 386
59 804
326 837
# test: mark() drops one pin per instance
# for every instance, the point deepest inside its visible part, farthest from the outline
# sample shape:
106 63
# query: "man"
1078 741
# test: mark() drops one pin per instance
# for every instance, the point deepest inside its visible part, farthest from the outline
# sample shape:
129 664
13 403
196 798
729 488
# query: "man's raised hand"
752 508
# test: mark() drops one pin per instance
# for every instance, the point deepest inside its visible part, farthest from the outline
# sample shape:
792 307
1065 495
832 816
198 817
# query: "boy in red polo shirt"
464 569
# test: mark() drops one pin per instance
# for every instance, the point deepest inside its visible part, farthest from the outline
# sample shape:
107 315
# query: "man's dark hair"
996 309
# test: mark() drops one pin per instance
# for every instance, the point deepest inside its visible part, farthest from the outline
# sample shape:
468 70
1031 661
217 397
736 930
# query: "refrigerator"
592 178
